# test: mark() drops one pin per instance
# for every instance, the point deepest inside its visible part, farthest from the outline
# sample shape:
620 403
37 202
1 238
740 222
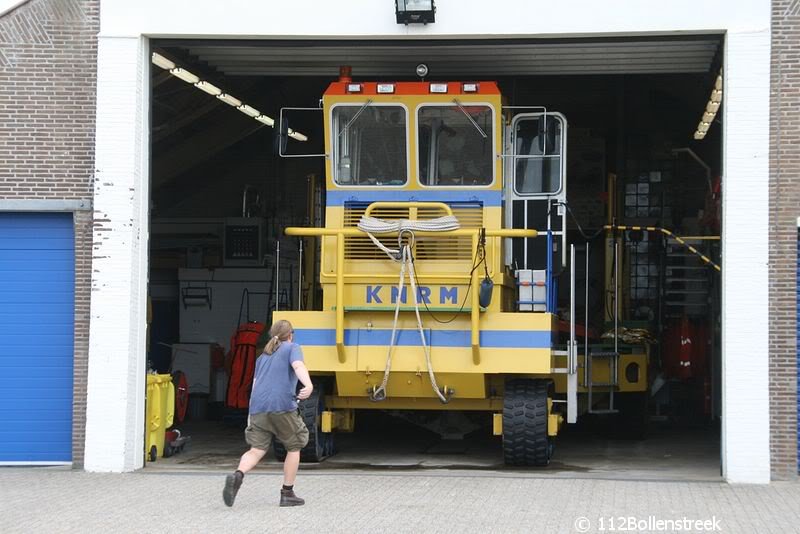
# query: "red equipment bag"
181 395
243 364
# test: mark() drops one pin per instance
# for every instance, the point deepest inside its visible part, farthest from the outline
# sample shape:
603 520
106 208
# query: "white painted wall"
9 5
375 18
745 210
116 386
116 394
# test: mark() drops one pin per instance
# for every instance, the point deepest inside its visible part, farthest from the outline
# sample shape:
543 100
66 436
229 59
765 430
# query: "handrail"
410 205
341 233
679 239
461 232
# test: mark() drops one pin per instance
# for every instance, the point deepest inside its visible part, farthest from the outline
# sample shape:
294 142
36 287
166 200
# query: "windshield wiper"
351 121
464 111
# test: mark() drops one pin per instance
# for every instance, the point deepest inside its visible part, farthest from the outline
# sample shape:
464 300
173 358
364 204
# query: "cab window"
537 155
369 145
456 145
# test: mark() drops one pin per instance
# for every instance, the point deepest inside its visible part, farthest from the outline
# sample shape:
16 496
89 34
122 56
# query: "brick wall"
784 210
48 58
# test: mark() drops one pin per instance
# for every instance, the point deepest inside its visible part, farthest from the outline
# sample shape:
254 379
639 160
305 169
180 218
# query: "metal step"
604 354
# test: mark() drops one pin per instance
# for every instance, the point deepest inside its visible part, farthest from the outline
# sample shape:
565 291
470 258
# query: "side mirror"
282 131
547 134
282 136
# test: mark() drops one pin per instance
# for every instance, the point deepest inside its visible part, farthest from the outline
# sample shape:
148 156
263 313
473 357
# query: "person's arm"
303 376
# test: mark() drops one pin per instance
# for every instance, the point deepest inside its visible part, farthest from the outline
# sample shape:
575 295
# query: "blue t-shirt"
274 381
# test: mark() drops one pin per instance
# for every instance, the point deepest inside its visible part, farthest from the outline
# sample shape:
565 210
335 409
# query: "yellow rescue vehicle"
443 239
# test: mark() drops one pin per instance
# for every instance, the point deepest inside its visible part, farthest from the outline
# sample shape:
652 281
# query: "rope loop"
404 254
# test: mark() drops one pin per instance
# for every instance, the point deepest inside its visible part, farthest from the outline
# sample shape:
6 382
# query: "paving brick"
359 501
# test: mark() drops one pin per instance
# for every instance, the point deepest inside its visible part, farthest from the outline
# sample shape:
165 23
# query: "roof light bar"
213 90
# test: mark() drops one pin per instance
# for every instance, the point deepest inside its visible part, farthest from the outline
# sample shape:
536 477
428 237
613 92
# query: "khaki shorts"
286 427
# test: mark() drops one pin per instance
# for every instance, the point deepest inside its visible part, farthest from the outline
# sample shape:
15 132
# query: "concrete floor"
386 443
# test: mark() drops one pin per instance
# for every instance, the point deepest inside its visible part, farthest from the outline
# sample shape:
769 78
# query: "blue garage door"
37 281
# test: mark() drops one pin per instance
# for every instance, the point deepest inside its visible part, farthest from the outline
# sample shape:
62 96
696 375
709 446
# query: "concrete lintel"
41 204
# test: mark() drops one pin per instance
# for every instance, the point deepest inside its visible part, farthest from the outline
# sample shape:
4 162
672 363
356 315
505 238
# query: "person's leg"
234 481
296 437
250 459
290 465
260 439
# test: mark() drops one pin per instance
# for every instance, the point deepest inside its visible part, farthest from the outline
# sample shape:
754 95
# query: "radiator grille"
444 247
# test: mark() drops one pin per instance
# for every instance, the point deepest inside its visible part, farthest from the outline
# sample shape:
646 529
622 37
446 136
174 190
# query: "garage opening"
610 149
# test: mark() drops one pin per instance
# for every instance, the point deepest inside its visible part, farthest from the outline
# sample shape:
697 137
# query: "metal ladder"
686 283
572 352
611 357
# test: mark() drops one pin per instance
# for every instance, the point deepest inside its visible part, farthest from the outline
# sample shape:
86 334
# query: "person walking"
274 413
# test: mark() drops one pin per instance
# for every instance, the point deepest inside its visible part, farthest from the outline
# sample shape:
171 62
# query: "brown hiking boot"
288 498
232 484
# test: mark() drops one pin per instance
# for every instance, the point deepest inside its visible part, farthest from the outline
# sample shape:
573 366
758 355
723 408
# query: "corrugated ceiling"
634 55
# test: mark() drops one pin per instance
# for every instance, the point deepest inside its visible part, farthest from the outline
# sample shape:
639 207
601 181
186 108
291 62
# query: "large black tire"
320 444
525 439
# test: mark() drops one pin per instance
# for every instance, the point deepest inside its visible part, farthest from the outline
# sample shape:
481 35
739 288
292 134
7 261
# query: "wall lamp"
213 90
415 11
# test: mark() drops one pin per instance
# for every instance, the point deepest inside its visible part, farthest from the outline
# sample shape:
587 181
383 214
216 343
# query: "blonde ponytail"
280 332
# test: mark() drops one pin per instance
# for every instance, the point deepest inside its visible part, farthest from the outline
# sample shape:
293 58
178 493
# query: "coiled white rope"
405 256
372 225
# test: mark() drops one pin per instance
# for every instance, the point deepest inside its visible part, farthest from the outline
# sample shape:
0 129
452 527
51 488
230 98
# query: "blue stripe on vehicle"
340 197
532 339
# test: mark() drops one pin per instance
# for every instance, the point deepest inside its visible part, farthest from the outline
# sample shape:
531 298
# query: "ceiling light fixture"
269 121
213 90
162 62
710 112
230 100
249 110
184 75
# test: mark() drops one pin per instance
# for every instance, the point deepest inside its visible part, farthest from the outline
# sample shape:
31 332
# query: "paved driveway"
60 500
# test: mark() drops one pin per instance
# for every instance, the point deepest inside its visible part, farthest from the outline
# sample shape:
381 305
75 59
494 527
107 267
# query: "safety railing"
708 261
341 233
